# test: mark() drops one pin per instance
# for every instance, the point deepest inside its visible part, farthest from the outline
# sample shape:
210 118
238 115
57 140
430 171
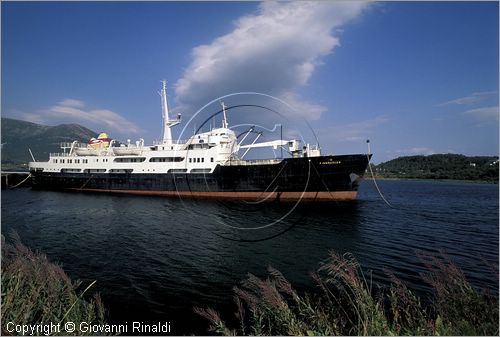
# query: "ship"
207 165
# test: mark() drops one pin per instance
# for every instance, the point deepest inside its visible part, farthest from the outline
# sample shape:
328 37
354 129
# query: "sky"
413 77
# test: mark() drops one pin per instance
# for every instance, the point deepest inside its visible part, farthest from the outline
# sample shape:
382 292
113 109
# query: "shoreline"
436 180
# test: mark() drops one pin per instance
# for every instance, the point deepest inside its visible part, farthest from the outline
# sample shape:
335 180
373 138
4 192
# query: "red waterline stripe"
320 195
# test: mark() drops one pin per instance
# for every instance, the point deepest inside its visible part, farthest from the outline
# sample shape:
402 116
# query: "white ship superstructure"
199 154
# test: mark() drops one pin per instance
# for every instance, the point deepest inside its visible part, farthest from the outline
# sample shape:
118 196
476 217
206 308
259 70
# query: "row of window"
166 159
152 160
77 161
70 161
200 160
198 146
135 160
175 170
130 160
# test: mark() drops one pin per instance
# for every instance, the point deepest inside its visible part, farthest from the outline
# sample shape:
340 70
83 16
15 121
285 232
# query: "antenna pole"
281 139
224 119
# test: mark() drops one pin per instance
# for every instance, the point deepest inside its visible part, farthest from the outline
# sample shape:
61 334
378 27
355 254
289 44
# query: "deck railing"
174 141
58 154
66 145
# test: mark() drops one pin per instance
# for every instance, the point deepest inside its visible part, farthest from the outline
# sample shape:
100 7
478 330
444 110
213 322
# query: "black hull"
325 177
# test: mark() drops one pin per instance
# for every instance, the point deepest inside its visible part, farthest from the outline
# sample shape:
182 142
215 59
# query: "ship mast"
167 122
224 119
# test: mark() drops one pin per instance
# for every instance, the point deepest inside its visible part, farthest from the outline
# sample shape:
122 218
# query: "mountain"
18 136
441 166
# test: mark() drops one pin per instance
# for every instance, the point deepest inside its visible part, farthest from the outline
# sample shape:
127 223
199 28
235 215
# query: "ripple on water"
155 258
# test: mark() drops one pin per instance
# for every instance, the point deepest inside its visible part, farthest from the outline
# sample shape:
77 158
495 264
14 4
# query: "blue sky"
413 77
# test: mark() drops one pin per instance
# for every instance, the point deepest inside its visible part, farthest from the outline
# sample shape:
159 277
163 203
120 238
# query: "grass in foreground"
36 291
347 305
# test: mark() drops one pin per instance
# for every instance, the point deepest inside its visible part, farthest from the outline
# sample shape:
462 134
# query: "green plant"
36 291
346 304
458 307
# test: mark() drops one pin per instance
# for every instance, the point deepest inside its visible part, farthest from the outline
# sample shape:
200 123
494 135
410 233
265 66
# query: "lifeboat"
86 151
129 149
94 145
101 142
126 151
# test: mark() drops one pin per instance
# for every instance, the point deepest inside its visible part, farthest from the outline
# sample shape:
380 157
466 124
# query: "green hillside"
18 136
441 166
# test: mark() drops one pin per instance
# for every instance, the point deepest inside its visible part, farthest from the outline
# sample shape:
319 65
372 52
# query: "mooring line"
268 186
91 176
323 182
373 177
17 185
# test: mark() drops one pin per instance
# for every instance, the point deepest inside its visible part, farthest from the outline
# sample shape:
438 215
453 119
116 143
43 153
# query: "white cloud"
275 52
483 116
103 118
352 132
470 99
72 102
301 107
71 111
27 116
